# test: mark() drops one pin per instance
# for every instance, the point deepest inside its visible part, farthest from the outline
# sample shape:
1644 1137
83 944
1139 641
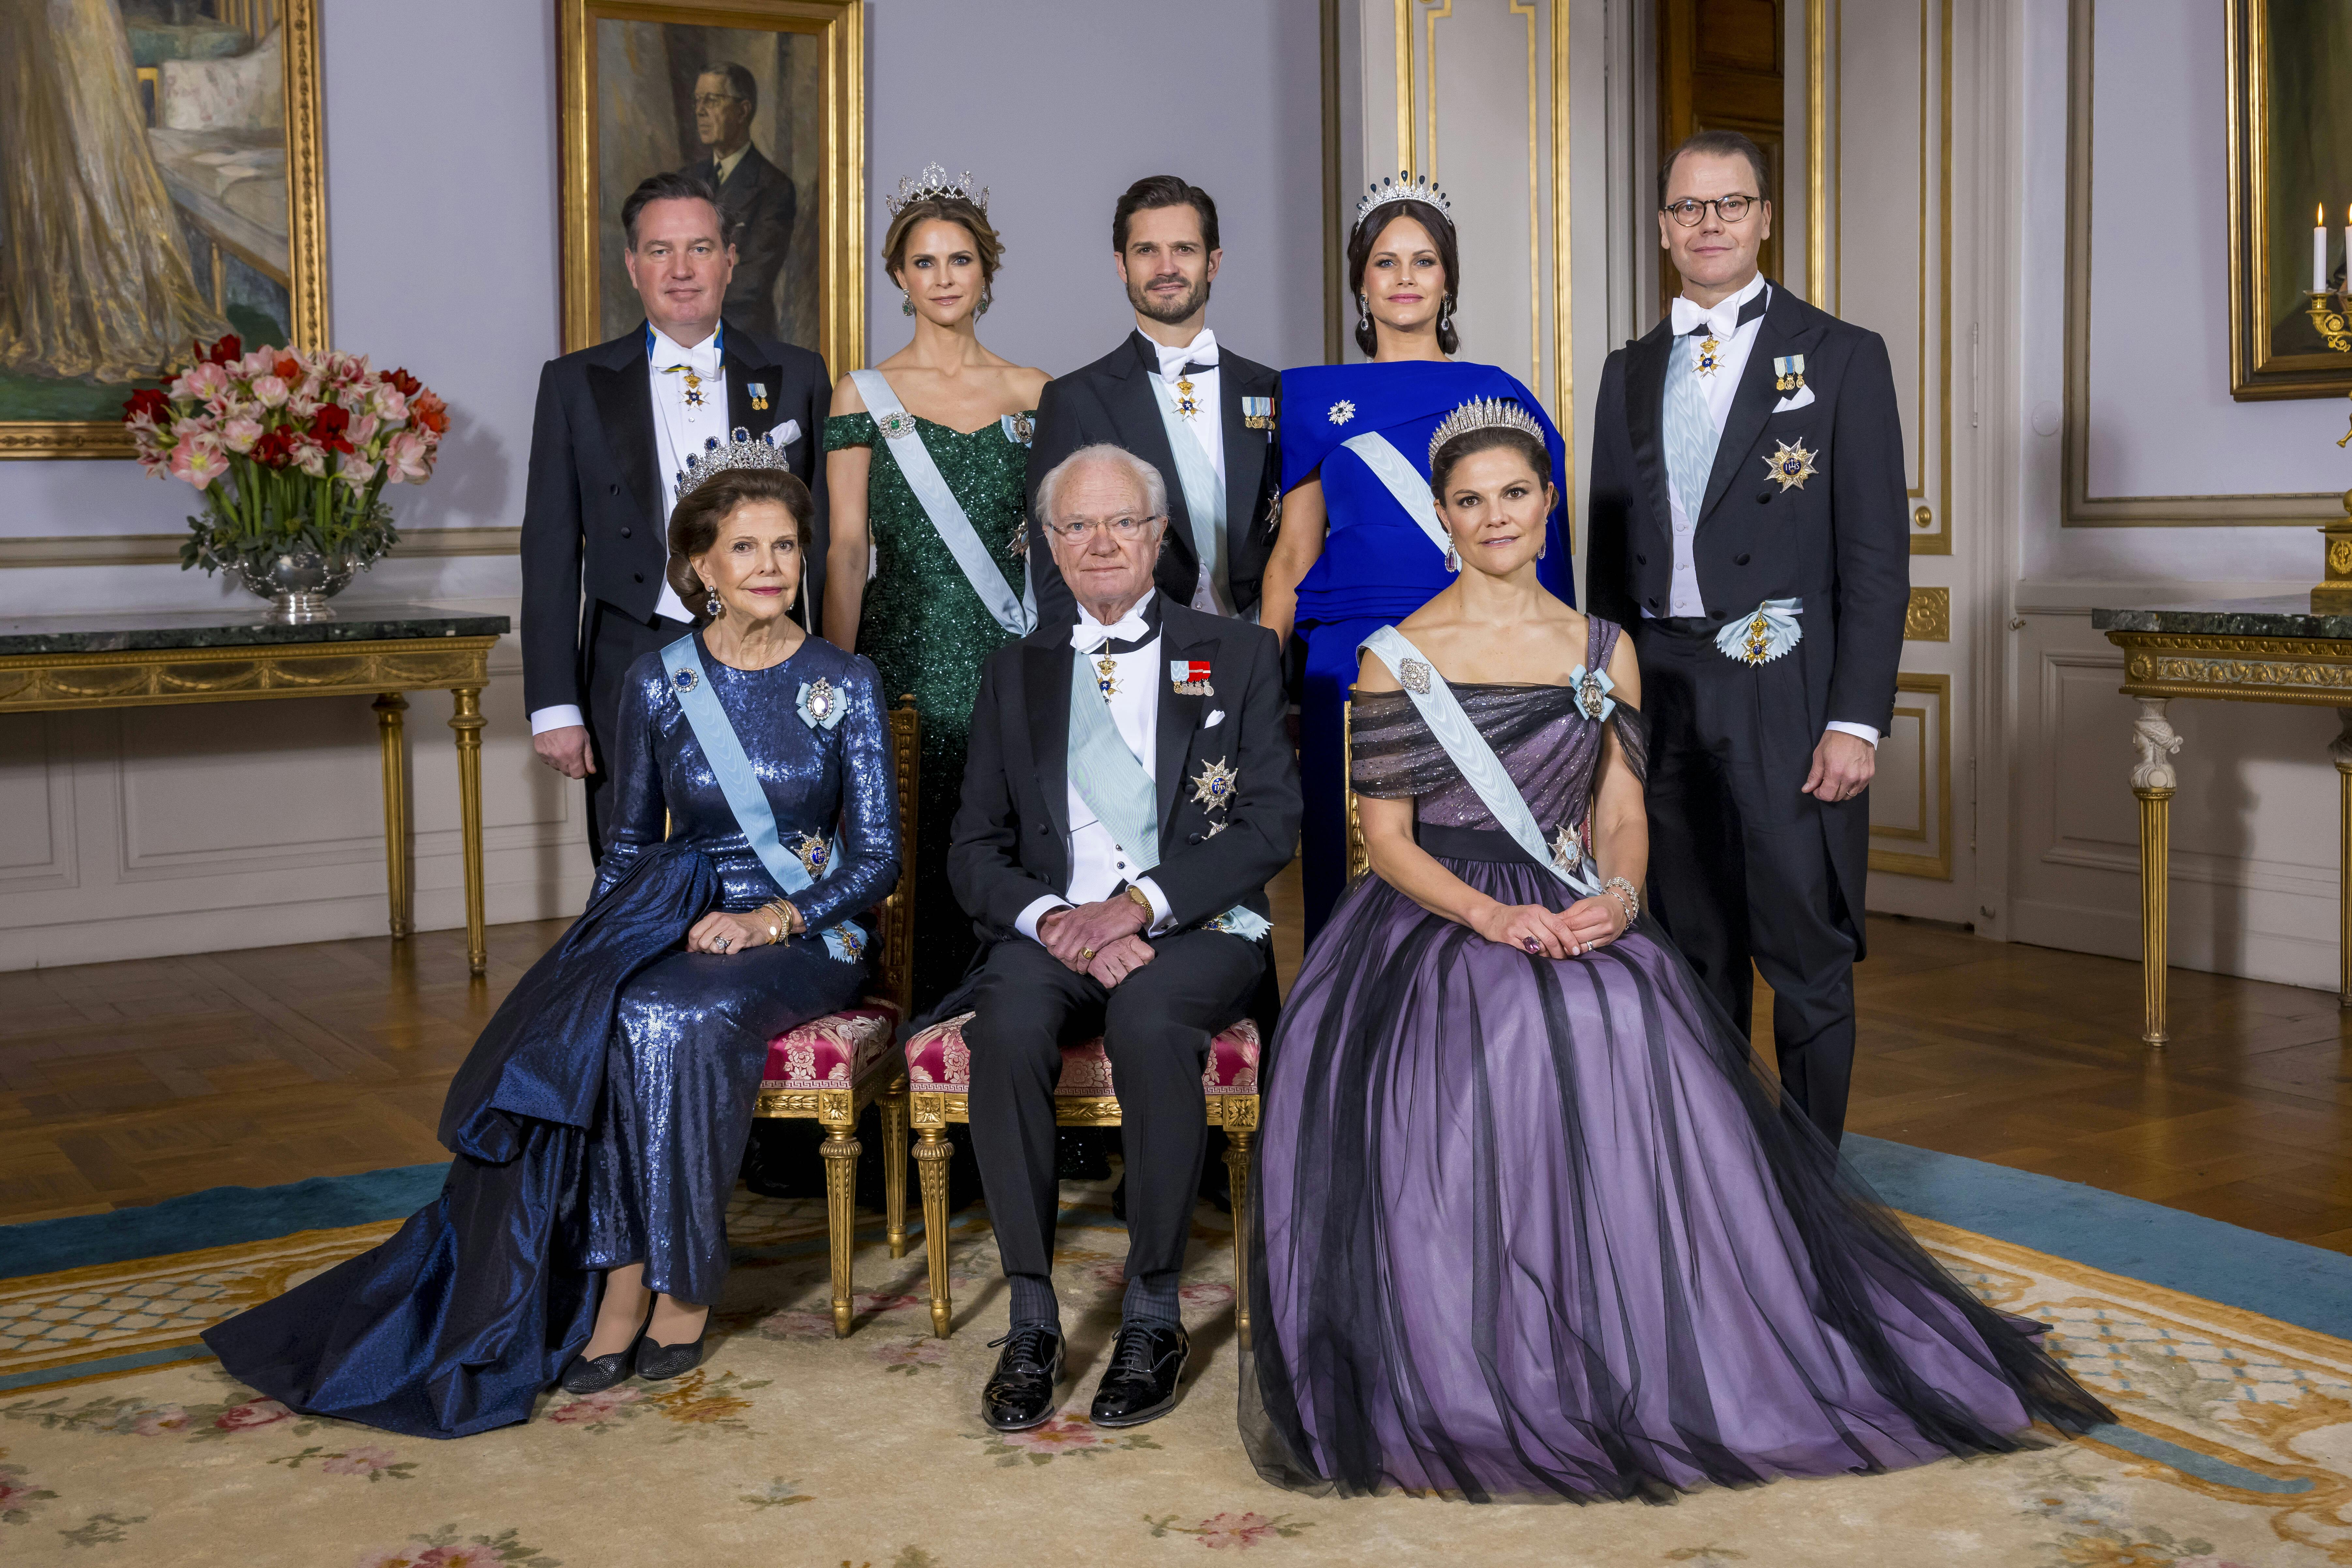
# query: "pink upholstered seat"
836 1051
938 1062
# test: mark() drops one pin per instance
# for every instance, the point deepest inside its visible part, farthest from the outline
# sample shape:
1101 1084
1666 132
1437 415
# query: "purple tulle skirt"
1538 1228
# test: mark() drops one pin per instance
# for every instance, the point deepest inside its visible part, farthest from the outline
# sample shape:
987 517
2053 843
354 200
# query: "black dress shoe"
595 1374
1020 1393
1145 1362
658 1363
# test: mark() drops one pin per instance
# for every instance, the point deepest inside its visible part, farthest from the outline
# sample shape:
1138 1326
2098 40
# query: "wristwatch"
1143 899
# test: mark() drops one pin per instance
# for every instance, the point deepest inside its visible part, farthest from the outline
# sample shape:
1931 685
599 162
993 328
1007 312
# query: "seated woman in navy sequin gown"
1533 1226
598 1124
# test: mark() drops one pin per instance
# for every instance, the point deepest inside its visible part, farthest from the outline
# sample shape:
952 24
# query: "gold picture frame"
305 265
828 136
2282 163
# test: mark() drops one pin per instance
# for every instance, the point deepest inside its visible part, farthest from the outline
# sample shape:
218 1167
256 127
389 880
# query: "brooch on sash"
759 391
1592 688
1342 411
1415 676
1018 428
1763 636
819 705
1791 465
685 680
811 852
1190 677
1257 413
1567 850
896 425
847 943
1789 373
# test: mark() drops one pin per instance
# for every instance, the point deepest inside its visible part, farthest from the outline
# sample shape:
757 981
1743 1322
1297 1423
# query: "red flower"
431 413
327 425
228 351
275 449
287 369
148 403
408 384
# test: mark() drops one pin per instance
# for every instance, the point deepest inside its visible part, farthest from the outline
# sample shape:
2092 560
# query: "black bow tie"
1750 311
1192 368
1116 645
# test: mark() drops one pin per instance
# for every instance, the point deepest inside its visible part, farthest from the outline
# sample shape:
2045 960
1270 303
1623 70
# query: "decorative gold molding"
1563 253
2304 671
841 25
36 683
1335 242
1928 617
164 548
1405 87
1816 153
1529 9
1437 8
306 244
2077 507
1937 867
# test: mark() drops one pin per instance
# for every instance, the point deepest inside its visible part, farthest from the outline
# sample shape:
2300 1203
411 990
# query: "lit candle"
2320 252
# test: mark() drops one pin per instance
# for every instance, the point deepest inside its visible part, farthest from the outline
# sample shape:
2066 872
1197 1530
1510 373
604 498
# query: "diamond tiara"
745 451
1404 189
1483 413
931 185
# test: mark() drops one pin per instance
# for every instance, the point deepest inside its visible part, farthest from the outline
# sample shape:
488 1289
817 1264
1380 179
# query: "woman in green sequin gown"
918 618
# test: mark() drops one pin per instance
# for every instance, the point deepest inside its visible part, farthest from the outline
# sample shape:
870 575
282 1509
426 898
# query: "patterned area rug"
121 1444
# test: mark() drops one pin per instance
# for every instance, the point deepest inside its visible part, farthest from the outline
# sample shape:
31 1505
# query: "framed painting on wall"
160 183
771 92
2290 192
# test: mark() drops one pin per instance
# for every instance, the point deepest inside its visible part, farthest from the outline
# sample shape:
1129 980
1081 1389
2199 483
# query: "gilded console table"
2245 650
141 660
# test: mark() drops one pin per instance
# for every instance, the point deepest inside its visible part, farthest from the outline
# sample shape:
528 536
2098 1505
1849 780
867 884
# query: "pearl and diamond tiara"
931 185
1482 414
1403 188
745 451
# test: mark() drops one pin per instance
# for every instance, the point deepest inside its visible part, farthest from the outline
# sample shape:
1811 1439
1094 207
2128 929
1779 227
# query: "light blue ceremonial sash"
1112 782
1407 484
1204 493
1017 615
690 683
1435 701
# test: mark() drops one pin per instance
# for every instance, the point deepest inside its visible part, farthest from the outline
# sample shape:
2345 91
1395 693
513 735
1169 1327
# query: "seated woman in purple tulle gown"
1533 1224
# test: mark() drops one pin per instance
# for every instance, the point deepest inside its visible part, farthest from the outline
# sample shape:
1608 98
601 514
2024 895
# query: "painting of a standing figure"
143 202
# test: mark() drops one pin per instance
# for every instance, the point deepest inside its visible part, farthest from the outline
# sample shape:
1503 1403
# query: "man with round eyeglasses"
1748 528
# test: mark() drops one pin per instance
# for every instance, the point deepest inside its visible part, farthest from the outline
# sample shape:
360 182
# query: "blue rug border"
2309 1287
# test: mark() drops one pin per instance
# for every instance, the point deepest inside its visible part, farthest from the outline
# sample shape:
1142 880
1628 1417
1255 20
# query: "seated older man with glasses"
1130 793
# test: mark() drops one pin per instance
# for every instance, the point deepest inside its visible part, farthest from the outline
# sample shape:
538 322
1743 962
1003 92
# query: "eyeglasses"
1126 530
1690 209
713 100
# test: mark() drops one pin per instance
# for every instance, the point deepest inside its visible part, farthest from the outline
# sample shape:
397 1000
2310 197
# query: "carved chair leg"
894 1164
1237 1167
931 1152
840 1151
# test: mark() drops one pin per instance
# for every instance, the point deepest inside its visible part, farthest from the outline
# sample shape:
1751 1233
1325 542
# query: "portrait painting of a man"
757 199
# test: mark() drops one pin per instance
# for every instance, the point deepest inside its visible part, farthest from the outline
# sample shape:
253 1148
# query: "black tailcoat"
1112 400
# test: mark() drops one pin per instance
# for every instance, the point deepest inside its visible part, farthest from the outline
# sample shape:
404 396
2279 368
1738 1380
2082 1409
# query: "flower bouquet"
290 451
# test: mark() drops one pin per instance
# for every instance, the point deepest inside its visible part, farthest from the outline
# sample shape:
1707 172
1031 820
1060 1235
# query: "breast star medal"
1214 784
1791 465
1341 412
1186 404
1710 356
810 851
1567 851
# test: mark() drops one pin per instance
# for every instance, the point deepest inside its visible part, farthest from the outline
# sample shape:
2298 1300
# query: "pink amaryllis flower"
310 457
239 435
362 430
199 382
365 1461
407 458
199 460
270 391
1235 1530
253 1413
391 404
357 472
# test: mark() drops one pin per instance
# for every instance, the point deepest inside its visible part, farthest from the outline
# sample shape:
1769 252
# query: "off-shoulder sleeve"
850 430
1391 753
868 867
638 818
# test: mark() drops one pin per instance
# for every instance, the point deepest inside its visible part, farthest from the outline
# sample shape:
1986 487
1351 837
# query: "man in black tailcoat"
614 425
1202 414
1748 528
1130 791
758 198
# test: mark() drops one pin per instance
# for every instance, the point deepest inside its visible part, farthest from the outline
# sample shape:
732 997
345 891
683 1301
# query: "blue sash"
1017 614
690 683
1204 494
1406 484
1110 779
1435 701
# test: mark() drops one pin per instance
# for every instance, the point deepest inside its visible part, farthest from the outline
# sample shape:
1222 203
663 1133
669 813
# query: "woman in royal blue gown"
599 1121
1358 547
1532 1224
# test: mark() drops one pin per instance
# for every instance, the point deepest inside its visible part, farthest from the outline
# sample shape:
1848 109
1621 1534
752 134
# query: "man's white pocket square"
784 434
1801 398
1213 720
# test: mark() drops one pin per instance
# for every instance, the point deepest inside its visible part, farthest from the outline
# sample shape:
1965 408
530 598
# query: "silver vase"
299 581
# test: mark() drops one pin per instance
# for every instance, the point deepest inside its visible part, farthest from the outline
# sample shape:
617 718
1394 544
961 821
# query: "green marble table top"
2289 617
138 631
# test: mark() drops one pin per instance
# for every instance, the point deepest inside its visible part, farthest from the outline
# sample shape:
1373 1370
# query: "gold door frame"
841 249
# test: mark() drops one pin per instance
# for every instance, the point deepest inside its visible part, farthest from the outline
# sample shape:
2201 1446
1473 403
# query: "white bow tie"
1201 351
1721 322
1089 633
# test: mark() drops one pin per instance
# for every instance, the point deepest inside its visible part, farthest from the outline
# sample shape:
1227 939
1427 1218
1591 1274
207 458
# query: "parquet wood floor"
124 1083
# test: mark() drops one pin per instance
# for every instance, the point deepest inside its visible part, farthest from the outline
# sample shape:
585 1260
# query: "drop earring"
1453 561
905 303
1545 548
713 606
1445 313
987 298
1363 304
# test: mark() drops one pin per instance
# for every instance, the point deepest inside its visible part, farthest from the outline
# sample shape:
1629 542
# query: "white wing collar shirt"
679 428
1723 323
1098 866
1208 428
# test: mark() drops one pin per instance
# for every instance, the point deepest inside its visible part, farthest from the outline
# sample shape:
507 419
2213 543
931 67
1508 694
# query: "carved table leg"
1237 1168
2340 752
2153 781
894 1164
467 722
840 1151
389 706
931 1152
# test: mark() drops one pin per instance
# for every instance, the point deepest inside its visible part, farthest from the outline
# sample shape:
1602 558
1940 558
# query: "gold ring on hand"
1087 953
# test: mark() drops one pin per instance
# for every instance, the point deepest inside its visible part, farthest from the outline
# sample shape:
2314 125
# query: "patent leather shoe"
1147 1360
1020 1393
658 1363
